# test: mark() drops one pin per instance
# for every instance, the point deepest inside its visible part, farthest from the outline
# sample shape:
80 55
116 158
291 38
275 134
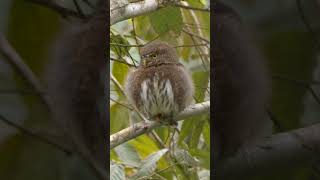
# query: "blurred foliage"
142 157
292 52
31 30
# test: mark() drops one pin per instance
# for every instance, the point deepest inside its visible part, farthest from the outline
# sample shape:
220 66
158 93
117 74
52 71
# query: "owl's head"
158 52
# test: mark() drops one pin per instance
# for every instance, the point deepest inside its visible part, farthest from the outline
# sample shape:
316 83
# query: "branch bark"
143 127
122 10
283 150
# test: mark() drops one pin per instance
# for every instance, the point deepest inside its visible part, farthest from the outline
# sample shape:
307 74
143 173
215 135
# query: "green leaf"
206 133
113 155
119 117
116 171
200 80
149 164
204 174
145 145
194 125
120 71
185 52
143 28
195 138
186 129
162 24
203 156
128 155
184 158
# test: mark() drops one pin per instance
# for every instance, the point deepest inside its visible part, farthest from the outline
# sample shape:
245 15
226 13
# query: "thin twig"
35 135
314 94
298 82
192 8
122 104
197 36
126 45
64 12
135 36
89 4
18 91
79 10
123 62
307 24
14 59
158 172
190 45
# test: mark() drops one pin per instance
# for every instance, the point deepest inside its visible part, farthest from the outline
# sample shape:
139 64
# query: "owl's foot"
171 121
158 118
167 120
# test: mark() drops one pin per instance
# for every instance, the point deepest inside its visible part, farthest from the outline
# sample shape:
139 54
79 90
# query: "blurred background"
31 30
288 33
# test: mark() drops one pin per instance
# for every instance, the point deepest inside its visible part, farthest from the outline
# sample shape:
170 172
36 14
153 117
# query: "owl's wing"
189 86
132 87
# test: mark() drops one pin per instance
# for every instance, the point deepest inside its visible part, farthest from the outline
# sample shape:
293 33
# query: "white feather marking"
159 99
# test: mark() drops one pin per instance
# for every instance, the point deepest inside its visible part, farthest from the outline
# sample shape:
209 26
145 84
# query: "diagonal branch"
13 58
37 136
143 127
283 150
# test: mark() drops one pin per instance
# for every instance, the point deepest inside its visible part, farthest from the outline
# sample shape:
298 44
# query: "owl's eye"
153 55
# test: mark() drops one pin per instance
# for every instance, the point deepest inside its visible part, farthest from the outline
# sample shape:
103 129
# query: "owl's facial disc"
158 52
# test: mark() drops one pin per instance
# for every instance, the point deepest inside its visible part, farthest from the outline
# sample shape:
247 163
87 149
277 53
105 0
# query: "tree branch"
122 10
13 58
143 127
34 135
283 150
192 8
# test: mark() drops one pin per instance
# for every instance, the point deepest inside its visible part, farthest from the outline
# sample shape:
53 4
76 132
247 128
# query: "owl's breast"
157 97
164 90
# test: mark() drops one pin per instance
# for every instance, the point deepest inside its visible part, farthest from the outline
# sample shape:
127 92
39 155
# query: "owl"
160 87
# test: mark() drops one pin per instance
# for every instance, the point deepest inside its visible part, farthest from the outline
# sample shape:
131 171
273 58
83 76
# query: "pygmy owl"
160 87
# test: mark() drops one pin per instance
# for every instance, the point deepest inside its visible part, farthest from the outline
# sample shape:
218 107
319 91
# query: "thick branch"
122 10
143 127
283 150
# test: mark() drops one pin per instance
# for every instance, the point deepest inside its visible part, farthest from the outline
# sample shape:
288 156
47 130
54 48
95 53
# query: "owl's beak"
144 60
